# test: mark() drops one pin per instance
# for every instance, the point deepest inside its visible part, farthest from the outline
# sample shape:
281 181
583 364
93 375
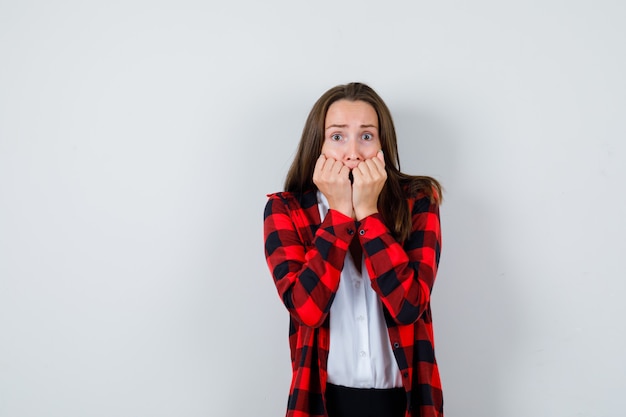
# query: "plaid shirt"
306 256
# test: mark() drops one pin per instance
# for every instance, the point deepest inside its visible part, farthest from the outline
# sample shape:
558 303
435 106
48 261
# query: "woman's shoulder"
294 199
421 194
280 195
422 188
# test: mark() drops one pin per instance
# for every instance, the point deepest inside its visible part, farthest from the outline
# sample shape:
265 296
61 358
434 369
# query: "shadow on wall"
475 307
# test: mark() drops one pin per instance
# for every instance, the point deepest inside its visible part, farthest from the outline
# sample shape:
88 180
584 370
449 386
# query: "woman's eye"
335 137
367 136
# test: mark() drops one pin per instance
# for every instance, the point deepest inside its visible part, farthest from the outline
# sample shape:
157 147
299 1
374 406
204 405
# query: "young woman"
353 246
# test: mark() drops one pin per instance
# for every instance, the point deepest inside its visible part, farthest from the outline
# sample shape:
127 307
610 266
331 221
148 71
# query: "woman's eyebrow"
342 126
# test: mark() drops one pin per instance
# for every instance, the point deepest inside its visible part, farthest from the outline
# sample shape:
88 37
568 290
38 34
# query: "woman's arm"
403 275
306 277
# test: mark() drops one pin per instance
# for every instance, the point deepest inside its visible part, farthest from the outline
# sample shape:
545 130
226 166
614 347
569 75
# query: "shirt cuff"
340 225
372 227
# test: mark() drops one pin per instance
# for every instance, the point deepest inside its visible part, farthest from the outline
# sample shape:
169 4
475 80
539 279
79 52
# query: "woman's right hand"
332 178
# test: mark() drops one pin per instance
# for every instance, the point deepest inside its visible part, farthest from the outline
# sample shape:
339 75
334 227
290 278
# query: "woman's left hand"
369 180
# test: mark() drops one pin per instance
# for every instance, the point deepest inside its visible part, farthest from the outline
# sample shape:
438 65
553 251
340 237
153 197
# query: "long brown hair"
392 199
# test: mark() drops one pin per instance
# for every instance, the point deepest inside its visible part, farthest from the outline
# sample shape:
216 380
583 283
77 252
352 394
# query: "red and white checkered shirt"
306 255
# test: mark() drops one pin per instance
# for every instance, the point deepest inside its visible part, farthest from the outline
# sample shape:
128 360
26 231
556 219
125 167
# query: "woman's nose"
352 151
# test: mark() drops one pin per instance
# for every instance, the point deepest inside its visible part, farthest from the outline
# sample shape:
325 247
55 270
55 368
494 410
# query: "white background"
138 140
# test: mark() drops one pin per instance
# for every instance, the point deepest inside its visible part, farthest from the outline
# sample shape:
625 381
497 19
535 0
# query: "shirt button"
360 318
396 345
362 353
361 232
350 232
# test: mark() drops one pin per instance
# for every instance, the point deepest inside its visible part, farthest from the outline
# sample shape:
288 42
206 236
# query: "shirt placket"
364 369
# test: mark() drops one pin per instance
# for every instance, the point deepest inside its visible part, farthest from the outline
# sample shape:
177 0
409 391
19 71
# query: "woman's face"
351 132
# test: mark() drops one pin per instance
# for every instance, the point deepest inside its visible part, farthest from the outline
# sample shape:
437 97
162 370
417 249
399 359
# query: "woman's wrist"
345 209
364 212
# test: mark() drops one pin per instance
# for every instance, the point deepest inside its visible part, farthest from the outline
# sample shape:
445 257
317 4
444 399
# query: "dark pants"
369 402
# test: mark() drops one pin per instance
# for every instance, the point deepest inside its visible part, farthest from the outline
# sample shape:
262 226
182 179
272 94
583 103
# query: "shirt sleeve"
306 276
403 274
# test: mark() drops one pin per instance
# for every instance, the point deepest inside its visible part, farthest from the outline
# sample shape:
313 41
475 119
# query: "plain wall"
138 140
